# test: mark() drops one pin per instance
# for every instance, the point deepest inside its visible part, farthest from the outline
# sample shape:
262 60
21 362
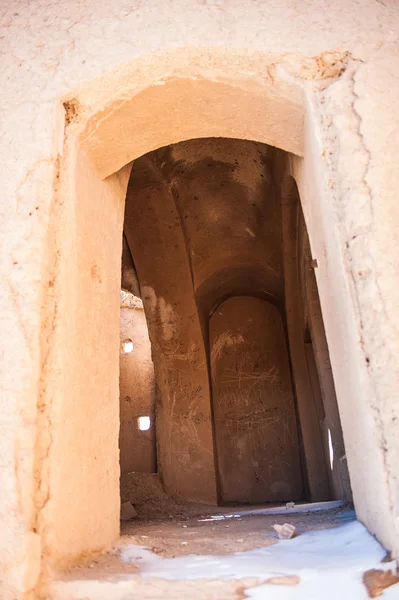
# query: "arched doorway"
86 163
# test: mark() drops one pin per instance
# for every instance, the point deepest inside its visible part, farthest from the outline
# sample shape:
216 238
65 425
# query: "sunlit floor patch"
329 563
201 560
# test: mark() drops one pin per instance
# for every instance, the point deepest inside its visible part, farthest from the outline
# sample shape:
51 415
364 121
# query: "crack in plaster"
44 424
366 152
367 185
15 295
30 173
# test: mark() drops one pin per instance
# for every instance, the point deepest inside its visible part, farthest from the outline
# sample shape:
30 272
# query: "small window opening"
144 423
128 346
331 450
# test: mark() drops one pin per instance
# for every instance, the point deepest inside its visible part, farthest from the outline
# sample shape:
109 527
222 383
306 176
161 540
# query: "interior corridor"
239 399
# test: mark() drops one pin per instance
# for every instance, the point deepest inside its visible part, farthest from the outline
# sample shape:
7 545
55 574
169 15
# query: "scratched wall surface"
255 423
184 429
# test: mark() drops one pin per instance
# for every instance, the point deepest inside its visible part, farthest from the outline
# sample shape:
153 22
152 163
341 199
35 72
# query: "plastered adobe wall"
316 79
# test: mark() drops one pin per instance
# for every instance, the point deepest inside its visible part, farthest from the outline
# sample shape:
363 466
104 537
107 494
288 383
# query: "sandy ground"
182 536
167 529
172 529
192 535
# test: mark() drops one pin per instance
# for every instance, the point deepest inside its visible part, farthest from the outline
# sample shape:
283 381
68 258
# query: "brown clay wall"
255 422
136 390
184 429
313 377
314 463
319 367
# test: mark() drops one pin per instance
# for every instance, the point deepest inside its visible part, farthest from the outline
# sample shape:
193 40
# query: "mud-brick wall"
255 422
137 390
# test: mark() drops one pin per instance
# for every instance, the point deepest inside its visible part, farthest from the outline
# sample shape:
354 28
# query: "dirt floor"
186 534
192 533
170 529
195 535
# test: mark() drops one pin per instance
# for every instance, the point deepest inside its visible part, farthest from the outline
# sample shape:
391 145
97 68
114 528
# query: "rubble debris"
376 581
127 511
285 532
